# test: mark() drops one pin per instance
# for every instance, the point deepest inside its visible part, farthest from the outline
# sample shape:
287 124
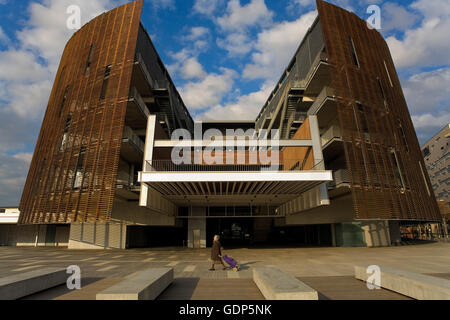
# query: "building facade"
342 168
436 153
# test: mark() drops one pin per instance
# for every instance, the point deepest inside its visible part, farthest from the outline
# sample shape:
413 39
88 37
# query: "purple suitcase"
230 261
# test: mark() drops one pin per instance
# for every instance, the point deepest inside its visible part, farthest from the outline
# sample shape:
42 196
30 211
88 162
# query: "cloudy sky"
224 56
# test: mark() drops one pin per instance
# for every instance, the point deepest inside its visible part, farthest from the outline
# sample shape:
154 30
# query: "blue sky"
224 56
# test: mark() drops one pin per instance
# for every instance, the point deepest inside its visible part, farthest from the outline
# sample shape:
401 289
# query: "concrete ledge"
414 285
147 285
24 284
275 284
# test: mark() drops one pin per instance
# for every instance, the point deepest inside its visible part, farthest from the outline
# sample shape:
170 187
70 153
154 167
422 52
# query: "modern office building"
436 153
343 167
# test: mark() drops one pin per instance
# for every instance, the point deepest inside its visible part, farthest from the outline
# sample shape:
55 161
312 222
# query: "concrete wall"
376 233
130 212
340 210
197 224
33 235
98 235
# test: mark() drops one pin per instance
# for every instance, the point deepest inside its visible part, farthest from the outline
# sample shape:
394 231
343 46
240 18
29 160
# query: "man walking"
216 254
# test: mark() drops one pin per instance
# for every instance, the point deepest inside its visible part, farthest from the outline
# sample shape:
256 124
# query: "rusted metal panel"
81 130
379 137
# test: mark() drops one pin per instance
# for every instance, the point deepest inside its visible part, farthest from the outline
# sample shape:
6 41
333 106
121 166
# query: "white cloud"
276 46
206 7
3 37
397 17
197 33
426 45
245 107
163 4
428 100
236 44
208 91
192 69
13 173
428 91
254 13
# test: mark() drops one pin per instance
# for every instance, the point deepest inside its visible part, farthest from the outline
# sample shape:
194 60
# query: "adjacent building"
332 158
436 153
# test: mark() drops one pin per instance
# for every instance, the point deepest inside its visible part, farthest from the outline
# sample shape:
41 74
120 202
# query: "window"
105 82
363 120
387 72
426 152
381 88
63 102
402 135
79 171
397 171
354 55
66 132
424 179
89 61
2 210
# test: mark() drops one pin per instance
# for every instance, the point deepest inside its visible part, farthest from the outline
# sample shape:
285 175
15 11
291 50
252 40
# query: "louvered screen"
74 167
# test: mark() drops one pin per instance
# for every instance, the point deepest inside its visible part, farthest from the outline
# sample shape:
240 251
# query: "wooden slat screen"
94 125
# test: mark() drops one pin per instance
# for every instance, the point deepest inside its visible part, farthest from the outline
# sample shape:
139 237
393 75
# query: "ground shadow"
58 291
180 289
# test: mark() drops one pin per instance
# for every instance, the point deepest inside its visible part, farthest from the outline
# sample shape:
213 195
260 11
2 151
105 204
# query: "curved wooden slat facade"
99 57
377 130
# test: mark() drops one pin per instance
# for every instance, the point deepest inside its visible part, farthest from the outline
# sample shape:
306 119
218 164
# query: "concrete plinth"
147 285
414 285
275 284
24 284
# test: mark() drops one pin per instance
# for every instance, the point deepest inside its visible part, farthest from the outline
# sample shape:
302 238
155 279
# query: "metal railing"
285 165
341 176
326 92
129 135
141 63
333 132
136 97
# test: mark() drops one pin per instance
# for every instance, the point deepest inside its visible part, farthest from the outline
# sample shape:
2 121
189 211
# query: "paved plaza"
328 270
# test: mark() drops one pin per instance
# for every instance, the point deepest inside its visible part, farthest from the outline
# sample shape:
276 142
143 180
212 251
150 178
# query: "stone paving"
432 258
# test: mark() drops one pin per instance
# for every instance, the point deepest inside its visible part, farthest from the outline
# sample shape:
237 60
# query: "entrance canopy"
287 169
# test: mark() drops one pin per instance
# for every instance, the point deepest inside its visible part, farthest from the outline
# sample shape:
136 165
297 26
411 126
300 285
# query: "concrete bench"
24 284
414 285
275 284
146 285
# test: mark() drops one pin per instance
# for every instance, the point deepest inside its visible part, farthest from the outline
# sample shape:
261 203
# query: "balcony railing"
333 132
136 97
141 63
341 176
326 92
285 165
131 137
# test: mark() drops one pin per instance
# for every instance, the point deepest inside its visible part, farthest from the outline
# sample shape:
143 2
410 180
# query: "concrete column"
148 156
333 235
394 232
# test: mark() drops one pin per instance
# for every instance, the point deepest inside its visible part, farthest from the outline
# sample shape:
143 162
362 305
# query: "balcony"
132 149
322 102
318 76
340 184
137 111
144 73
333 133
